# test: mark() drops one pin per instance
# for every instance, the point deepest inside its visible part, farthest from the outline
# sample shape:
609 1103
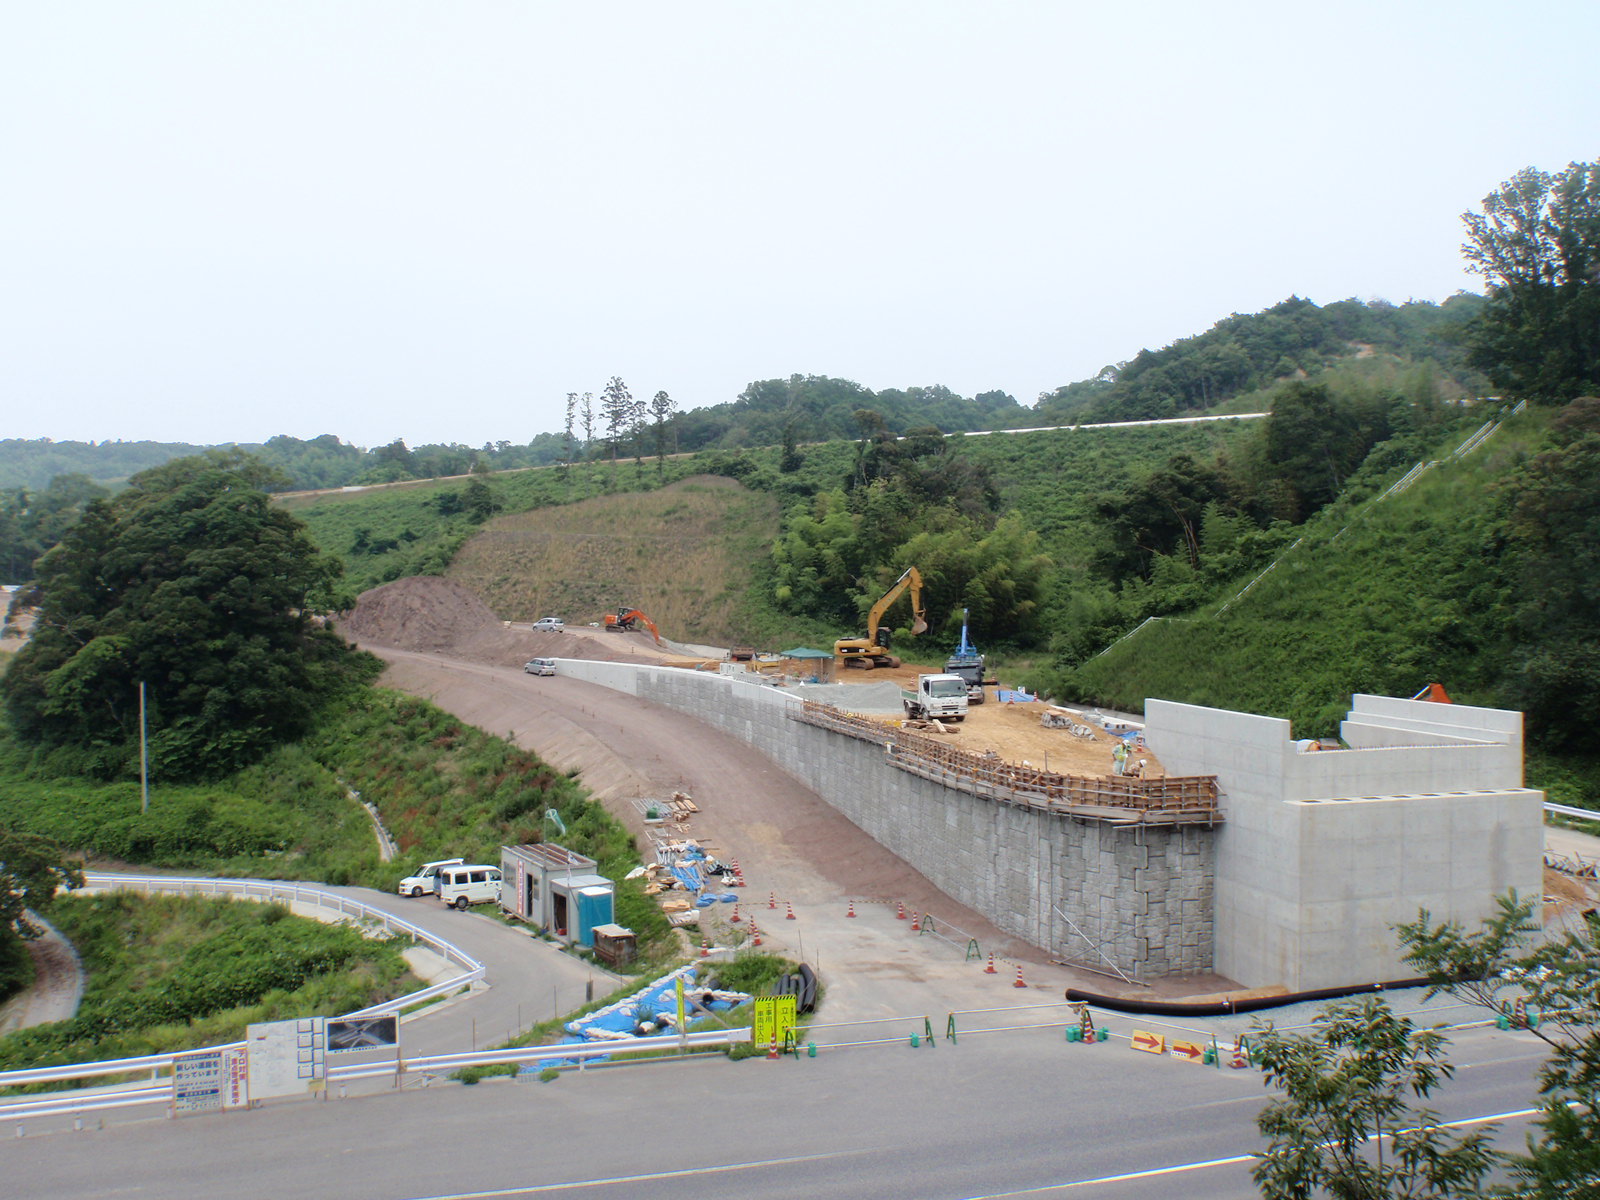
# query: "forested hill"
1237 358
1296 338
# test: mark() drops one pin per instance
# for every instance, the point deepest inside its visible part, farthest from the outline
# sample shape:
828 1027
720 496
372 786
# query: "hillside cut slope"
684 554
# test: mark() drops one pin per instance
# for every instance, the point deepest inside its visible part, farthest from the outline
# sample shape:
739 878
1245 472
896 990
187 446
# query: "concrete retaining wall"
1138 897
1323 853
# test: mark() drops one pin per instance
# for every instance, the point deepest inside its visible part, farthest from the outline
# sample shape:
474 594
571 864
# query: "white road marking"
544 1188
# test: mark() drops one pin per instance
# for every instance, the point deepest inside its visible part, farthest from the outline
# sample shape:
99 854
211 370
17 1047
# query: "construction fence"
1117 799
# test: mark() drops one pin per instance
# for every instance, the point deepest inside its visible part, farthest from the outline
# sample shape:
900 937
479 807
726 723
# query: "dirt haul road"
788 841
789 844
442 642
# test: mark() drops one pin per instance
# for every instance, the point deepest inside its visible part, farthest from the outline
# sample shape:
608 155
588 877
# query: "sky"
381 219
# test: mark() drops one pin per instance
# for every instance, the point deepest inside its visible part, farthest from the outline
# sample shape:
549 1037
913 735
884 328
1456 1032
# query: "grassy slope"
175 972
1382 597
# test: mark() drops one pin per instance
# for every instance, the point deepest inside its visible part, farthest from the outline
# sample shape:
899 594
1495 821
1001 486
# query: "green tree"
616 406
1537 243
192 583
1345 1126
662 406
31 869
1558 980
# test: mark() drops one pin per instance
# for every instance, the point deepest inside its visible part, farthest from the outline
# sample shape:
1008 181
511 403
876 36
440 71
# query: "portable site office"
556 889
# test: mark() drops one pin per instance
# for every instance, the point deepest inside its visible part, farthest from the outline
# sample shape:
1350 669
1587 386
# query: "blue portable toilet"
596 907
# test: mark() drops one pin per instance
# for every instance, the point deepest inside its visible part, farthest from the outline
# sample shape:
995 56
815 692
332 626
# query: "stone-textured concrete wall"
1322 853
1138 897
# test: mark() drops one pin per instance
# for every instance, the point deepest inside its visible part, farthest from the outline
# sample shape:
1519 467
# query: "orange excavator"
626 618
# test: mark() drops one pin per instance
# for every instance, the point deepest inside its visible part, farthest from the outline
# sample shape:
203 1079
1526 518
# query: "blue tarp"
659 997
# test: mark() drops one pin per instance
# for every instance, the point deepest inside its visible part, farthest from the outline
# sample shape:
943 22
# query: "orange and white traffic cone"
772 1049
755 934
1019 982
989 970
790 915
772 899
852 911
916 923
736 918
705 947
900 910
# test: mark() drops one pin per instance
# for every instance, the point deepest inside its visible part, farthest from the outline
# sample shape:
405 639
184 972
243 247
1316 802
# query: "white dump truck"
937 698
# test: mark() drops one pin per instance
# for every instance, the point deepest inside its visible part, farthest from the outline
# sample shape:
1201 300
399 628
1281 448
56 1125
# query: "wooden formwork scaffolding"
1121 800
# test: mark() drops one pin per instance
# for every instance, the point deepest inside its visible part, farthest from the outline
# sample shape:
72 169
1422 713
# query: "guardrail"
1119 799
75 1104
159 1065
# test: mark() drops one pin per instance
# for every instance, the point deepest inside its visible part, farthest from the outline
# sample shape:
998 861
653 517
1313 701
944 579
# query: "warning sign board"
1187 1050
210 1081
774 1018
1150 1043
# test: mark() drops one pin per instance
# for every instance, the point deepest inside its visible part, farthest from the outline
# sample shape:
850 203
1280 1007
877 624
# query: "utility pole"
144 759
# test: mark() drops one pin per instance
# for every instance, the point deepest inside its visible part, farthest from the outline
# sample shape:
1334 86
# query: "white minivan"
550 625
426 881
469 883
540 666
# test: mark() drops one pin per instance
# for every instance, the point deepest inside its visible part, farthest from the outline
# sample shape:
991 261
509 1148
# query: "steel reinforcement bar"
1122 800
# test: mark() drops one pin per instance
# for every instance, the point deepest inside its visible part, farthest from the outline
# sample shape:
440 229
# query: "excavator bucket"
919 626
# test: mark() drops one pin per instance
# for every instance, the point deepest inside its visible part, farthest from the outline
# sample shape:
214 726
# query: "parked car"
426 881
550 624
540 666
469 883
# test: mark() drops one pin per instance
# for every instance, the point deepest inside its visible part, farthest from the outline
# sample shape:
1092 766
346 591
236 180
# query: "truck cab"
937 698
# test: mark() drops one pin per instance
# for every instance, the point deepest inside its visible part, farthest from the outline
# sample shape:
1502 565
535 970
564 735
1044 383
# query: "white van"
540 666
426 881
469 883
549 625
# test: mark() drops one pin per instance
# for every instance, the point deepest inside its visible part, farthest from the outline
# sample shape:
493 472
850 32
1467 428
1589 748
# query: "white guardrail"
156 1086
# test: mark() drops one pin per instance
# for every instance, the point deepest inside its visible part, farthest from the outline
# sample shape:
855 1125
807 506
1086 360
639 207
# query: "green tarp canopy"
802 652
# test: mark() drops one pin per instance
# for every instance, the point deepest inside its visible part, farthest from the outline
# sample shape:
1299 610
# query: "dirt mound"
430 615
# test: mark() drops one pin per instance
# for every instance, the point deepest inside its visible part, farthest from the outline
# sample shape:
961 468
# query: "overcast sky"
224 220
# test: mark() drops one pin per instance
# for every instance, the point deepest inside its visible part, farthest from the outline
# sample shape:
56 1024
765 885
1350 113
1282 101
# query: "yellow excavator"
873 650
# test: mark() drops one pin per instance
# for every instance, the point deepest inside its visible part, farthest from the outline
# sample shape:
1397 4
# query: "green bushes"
170 972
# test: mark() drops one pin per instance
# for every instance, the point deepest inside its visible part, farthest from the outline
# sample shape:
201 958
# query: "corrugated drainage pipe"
1225 1008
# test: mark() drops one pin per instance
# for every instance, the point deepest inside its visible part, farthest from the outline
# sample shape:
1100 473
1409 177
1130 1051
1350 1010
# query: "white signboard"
210 1081
287 1058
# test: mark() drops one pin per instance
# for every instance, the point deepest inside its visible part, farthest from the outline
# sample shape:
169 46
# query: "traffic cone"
755 934
900 910
738 874
852 911
790 915
736 918
989 970
772 1050
916 923
705 947
1019 982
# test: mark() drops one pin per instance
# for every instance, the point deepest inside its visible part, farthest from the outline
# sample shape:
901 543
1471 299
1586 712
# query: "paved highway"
1021 1113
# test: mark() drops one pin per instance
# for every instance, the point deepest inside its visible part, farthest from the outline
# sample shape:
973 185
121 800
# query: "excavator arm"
911 578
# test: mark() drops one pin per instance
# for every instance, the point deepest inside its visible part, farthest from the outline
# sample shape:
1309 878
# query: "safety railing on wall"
1125 800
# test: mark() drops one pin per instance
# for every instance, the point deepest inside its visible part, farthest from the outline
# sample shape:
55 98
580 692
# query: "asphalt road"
528 980
1006 1114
